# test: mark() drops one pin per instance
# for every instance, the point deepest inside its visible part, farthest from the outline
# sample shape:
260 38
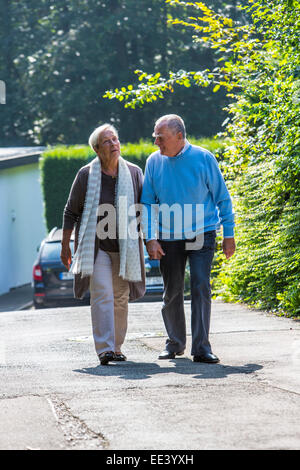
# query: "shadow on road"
144 370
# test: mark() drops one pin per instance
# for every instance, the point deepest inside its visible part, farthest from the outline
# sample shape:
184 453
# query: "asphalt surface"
56 395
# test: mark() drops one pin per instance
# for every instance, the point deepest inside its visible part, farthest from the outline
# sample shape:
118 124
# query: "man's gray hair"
173 122
94 137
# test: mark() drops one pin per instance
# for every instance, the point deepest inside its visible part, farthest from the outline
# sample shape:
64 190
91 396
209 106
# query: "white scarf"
83 262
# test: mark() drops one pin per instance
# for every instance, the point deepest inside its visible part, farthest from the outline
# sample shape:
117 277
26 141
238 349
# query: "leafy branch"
154 87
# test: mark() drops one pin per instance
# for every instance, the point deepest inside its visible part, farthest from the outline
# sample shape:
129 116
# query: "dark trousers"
172 267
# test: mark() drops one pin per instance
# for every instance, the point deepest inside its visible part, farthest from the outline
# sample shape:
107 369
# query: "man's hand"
154 249
66 255
228 247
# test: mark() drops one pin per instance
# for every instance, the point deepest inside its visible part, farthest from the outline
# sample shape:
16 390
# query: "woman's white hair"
94 137
173 122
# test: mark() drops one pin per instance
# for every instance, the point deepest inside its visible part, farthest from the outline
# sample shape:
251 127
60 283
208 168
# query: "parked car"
154 281
52 283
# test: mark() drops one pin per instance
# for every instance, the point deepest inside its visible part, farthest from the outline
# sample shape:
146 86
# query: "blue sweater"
193 182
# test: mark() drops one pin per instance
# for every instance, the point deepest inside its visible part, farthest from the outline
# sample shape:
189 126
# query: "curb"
26 306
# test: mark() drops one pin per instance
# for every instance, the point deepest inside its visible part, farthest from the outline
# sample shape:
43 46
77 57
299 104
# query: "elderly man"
108 262
187 179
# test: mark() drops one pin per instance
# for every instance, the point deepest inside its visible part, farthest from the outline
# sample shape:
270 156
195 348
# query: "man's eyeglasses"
157 136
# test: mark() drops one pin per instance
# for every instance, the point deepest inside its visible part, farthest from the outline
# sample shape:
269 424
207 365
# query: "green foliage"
264 159
58 169
138 153
259 67
57 58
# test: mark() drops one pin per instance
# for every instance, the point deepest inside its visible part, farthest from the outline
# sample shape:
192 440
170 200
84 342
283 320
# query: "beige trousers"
109 303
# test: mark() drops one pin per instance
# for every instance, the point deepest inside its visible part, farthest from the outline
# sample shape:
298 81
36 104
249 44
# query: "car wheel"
38 305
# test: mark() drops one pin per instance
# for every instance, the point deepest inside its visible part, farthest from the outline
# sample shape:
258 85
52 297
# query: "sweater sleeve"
75 203
149 201
140 180
220 195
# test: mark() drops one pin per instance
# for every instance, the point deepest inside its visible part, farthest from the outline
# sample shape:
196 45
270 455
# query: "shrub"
58 169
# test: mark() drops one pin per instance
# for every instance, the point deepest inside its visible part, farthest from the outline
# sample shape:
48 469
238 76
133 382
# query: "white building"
22 224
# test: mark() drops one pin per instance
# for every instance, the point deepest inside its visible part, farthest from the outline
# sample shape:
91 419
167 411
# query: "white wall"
22 225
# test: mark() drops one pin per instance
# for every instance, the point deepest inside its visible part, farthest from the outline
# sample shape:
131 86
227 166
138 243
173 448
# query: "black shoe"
209 358
106 357
120 357
169 355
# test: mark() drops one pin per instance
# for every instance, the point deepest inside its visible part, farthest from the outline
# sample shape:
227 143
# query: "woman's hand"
66 255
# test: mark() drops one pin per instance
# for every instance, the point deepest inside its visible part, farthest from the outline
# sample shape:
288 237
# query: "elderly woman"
108 255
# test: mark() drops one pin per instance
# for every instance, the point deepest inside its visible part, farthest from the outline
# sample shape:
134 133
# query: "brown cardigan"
72 217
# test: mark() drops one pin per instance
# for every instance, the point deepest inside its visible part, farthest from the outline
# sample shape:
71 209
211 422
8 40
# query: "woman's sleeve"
75 203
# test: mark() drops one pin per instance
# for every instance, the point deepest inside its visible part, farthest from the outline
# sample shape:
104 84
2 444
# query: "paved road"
55 395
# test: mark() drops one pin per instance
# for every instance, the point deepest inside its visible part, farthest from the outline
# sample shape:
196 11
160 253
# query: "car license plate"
152 281
66 276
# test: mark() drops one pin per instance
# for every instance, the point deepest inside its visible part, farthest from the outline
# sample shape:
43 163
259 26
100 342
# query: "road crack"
77 434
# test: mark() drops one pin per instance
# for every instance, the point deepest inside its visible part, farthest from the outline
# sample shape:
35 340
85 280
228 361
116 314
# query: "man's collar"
184 149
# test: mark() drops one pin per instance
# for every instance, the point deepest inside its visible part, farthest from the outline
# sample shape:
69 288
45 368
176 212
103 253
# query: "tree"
16 30
58 58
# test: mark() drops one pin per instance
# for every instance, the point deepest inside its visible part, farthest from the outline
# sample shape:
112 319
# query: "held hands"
66 255
228 247
154 249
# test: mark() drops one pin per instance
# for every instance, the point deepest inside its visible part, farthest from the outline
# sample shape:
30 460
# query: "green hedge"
58 169
59 166
263 161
